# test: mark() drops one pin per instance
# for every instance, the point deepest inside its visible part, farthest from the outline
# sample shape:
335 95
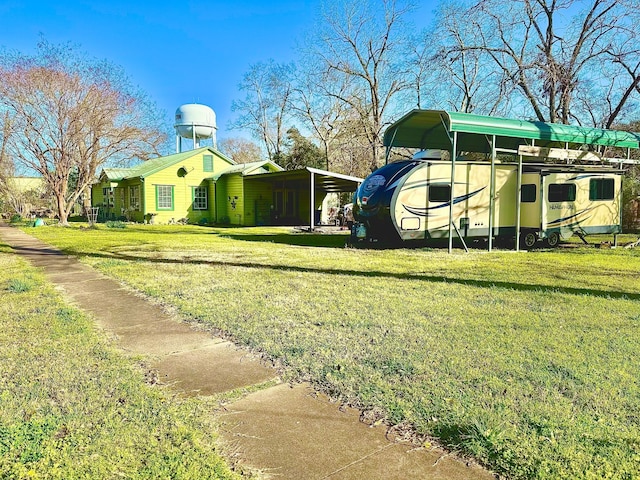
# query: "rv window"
601 189
439 193
528 193
562 192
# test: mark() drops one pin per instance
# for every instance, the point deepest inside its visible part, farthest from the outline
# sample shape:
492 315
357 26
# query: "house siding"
183 185
97 198
230 208
110 206
213 202
134 212
258 199
305 204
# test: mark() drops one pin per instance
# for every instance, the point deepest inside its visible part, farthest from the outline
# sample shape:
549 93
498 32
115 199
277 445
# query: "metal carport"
458 132
316 180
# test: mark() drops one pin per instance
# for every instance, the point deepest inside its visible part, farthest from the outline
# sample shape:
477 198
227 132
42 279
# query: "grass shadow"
350 272
296 239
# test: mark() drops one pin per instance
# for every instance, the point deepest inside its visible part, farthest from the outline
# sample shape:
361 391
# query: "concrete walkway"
282 431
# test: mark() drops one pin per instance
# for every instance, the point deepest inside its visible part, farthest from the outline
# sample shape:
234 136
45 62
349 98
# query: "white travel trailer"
514 194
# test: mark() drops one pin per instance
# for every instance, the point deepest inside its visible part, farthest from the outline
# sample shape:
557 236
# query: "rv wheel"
553 240
529 240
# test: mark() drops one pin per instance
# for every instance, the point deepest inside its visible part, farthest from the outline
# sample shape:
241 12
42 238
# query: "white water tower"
196 122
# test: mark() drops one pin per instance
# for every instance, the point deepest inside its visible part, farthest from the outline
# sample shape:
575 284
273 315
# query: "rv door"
543 201
559 214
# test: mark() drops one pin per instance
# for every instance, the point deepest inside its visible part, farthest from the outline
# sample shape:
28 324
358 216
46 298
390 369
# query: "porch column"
313 201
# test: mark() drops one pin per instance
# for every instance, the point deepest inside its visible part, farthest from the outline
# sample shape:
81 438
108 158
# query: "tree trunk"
63 214
86 201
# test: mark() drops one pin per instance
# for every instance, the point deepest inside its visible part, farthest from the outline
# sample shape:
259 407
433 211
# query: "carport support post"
518 202
492 192
388 152
313 201
454 149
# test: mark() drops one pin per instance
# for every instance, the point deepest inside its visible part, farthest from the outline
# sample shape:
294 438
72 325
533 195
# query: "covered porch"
297 195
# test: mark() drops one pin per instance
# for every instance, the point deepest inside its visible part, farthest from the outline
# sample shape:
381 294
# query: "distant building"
25 196
25 184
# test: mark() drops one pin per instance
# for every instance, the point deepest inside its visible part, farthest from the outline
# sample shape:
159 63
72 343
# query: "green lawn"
71 407
529 361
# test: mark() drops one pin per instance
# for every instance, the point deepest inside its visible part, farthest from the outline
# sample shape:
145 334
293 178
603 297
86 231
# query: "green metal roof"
116 174
247 168
157 164
434 128
324 180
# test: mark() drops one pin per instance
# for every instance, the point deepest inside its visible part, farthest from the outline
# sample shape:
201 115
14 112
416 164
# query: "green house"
187 186
203 186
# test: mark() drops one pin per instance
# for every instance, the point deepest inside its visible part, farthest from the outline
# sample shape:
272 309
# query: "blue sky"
177 52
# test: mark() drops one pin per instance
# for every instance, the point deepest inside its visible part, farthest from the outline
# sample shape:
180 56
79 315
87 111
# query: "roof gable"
251 168
114 174
158 164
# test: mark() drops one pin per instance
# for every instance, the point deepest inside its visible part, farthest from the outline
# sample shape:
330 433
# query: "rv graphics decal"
425 211
399 175
426 184
571 220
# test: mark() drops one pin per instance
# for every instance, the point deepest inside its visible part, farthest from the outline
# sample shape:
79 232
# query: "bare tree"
423 56
240 149
558 53
449 75
265 108
359 55
6 165
350 146
320 113
67 116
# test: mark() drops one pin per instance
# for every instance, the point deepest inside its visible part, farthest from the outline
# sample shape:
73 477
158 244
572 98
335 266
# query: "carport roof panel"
432 128
326 181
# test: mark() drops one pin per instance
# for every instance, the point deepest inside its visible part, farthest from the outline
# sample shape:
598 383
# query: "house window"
207 161
200 197
107 197
164 197
439 193
562 192
528 193
601 189
134 197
